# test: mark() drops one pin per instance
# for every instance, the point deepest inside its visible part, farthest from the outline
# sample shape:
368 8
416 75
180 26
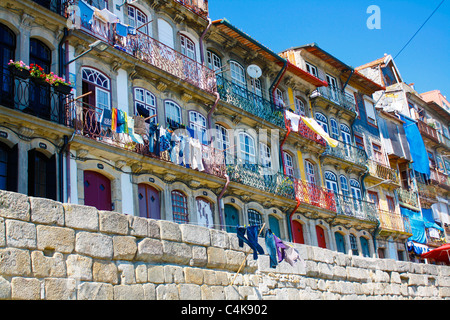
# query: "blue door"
231 218
340 242
365 247
274 226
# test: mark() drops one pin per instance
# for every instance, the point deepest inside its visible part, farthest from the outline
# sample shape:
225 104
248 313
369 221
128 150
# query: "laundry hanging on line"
279 251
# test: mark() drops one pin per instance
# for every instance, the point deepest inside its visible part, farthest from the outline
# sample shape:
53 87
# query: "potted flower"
37 74
19 69
58 83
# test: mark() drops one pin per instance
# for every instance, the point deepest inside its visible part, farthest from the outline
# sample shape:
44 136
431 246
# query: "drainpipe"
213 108
202 56
282 144
346 83
277 80
219 200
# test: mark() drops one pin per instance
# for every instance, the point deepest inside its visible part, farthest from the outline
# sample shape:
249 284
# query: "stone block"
5 289
199 257
173 274
46 211
170 231
192 234
125 247
149 250
95 245
216 258
126 272
14 206
193 275
154 229
190 292
138 226
234 259
105 271
167 292
48 266
93 291
129 292
113 222
219 239
156 274
55 238
357 274
2 232
25 289
81 217
176 252
60 289
15 262
20 234
141 273
149 291
79 267
215 293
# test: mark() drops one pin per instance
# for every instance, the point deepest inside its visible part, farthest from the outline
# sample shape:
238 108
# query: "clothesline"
224 225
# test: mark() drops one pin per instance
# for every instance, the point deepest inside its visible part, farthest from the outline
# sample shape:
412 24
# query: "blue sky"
340 28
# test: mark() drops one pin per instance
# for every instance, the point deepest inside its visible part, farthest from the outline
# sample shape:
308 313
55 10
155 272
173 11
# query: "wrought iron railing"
347 152
249 101
38 99
392 221
382 171
439 178
200 7
356 208
408 197
304 131
336 96
57 6
308 193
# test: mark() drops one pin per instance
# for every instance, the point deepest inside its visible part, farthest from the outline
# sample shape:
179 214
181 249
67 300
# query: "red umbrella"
439 254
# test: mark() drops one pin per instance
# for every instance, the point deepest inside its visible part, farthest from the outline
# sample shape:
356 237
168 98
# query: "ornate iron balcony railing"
38 99
347 152
357 208
249 101
391 221
200 7
306 132
336 96
408 197
309 193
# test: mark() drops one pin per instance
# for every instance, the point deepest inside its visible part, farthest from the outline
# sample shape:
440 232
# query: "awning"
417 225
417 248
439 254
417 147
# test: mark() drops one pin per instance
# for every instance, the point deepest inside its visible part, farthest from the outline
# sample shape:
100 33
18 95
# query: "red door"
149 205
321 237
297 232
97 190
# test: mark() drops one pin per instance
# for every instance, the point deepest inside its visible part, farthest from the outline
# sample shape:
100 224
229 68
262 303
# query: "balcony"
199 7
356 208
408 197
392 221
85 119
56 6
311 194
427 131
440 179
444 140
337 97
304 131
262 178
427 194
382 172
347 153
248 101
37 99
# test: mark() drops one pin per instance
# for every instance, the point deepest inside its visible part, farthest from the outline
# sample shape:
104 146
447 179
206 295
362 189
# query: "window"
391 204
359 142
197 122
149 202
40 54
354 245
331 181
99 4
237 74
322 120
179 207
247 148
334 129
279 98
97 83
8 167
39 95
344 185
145 104
333 88
204 212
299 107
165 33
223 142
214 61
264 155
187 47
355 188
370 112
377 154
310 172
312 69
256 86
136 19
373 197
288 164
7 52
431 159
173 111
255 218
41 175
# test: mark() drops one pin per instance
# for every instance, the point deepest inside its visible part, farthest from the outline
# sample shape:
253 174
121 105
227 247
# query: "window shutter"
13 160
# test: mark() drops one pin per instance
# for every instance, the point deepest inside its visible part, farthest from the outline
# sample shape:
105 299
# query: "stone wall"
50 250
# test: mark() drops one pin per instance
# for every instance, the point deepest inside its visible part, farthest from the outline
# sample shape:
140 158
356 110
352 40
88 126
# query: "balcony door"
231 218
149 202
297 232
333 88
321 241
7 52
97 191
39 103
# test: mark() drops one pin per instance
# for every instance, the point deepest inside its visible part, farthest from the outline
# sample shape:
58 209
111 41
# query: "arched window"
355 188
179 207
288 164
214 61
99 84
145 103
173 111
7 53
322 120
165 33
331 181
354 245
41 175
344 185
299 106
345 133
247 148
334 129
223 142
197 122
255 218
310 172
137 18
40 54
204 212
265 155
237 74
187 46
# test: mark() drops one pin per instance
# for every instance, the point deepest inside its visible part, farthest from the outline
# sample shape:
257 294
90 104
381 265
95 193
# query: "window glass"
145 103
179 207
173 111
247 148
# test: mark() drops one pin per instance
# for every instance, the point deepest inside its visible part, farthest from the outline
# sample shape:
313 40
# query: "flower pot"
62 88
20 73
39 81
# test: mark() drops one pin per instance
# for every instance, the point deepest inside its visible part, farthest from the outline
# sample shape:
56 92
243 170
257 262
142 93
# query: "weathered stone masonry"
50 250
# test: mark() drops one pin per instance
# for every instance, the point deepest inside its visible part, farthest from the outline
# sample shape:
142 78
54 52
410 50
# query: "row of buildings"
175 116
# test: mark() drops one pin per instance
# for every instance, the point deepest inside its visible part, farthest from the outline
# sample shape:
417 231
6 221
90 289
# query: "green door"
231 218
365 247
340 242
274 226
